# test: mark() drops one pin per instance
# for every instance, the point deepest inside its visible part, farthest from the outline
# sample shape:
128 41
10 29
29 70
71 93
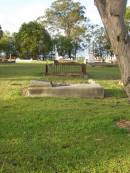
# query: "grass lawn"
62 135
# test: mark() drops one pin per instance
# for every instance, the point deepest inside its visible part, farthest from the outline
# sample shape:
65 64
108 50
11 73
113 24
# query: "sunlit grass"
63 135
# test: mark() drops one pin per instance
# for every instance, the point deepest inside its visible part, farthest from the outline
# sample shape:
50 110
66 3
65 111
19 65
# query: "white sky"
14 12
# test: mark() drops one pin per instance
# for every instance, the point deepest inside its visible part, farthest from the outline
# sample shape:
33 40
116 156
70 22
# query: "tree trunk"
112 14
75 52
69 53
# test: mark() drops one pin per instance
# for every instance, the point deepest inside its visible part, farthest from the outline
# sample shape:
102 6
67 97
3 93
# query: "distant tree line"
31 41
64 27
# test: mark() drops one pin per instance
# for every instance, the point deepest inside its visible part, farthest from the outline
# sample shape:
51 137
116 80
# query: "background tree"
33 40
127 17
97 41
101 44
67 18
63 45
7 44
112 13
77 36
1 32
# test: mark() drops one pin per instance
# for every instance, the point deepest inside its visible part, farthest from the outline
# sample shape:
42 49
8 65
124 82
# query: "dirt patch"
125 124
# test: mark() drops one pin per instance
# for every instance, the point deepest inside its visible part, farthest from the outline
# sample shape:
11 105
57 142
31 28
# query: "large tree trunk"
112 14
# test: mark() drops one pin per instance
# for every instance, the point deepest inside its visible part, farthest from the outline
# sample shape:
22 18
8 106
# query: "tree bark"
112 14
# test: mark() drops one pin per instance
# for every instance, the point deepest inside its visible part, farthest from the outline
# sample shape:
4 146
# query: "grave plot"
49 89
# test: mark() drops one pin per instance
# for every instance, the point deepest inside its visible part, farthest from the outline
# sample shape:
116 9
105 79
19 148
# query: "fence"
63 69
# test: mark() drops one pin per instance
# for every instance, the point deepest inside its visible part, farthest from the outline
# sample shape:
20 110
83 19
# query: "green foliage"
32 40
102 46
68 17
1 32
65 15
98 41
4 42
127 17
63 44
7 44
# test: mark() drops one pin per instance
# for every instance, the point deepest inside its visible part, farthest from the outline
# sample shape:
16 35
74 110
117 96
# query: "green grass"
62 135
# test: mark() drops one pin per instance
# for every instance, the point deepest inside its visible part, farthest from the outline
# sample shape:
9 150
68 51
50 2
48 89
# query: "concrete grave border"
41 88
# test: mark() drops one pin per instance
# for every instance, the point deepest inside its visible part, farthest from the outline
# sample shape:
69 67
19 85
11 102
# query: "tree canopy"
66 15
7 44
32 40
66 18
1 32
127 15
100 45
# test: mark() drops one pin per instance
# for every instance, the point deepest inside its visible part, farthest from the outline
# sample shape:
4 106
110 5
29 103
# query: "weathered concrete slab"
76 90
40 83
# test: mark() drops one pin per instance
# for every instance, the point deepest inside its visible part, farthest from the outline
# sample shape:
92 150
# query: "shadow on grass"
104 73
24 78
118 93
21 70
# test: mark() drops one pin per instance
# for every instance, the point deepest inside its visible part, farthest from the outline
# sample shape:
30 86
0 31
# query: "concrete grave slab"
40 83
74 90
